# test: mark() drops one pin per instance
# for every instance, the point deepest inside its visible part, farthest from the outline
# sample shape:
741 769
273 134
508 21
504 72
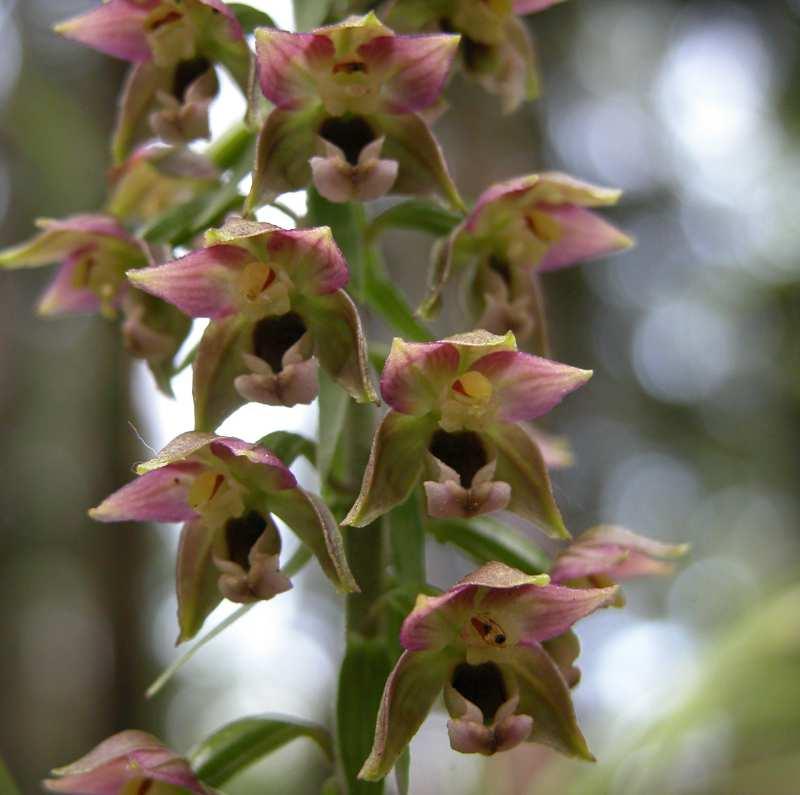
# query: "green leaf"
365 669
7 785
402 772
184 658
289 446
407 538
486 540
310 14
251 18
384 297
333 402
425 216
242 743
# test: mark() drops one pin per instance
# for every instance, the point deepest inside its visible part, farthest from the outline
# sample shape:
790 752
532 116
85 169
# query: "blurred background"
689 430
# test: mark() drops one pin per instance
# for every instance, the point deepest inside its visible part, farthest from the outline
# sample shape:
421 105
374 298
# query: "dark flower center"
274 335
463 451
501 268
240 535
483 685
475 53
186 72
350 133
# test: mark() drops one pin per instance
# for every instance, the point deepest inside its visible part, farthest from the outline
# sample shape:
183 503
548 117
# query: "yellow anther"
204 488
256 278
544 226
474 385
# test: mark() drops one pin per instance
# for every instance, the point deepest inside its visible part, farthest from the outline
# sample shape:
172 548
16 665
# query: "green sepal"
312 522
422 168
234 747
217 364
196 579
520 464
544 695
339 343
395 465
410 692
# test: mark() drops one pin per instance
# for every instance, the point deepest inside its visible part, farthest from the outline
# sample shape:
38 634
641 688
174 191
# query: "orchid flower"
173 45
456 408
129 762
347 110
155 178
518 229
278 309
481 642
225 492
496 49
605 554
94 252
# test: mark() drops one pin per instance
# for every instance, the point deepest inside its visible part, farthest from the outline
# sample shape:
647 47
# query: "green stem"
227 149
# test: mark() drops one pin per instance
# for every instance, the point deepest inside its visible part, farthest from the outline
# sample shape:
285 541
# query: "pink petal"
526 386
541 612
125 757
286 63
527 611
156 496
501 190
311 257
532 6
280 476
584 236
416 373
115 28
63 297
616 553
235 28
416 68
430 625
201 284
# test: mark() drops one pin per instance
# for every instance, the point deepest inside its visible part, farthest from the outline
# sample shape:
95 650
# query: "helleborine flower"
173 45
225 490
94 252
605 554
518 229
496 49
154 179
347 105
127 763
277 307
481 642
456 408
163 31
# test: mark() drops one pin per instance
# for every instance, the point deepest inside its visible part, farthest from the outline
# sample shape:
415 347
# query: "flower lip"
274 335
186 72
462 451
241 533
483 685
350 133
